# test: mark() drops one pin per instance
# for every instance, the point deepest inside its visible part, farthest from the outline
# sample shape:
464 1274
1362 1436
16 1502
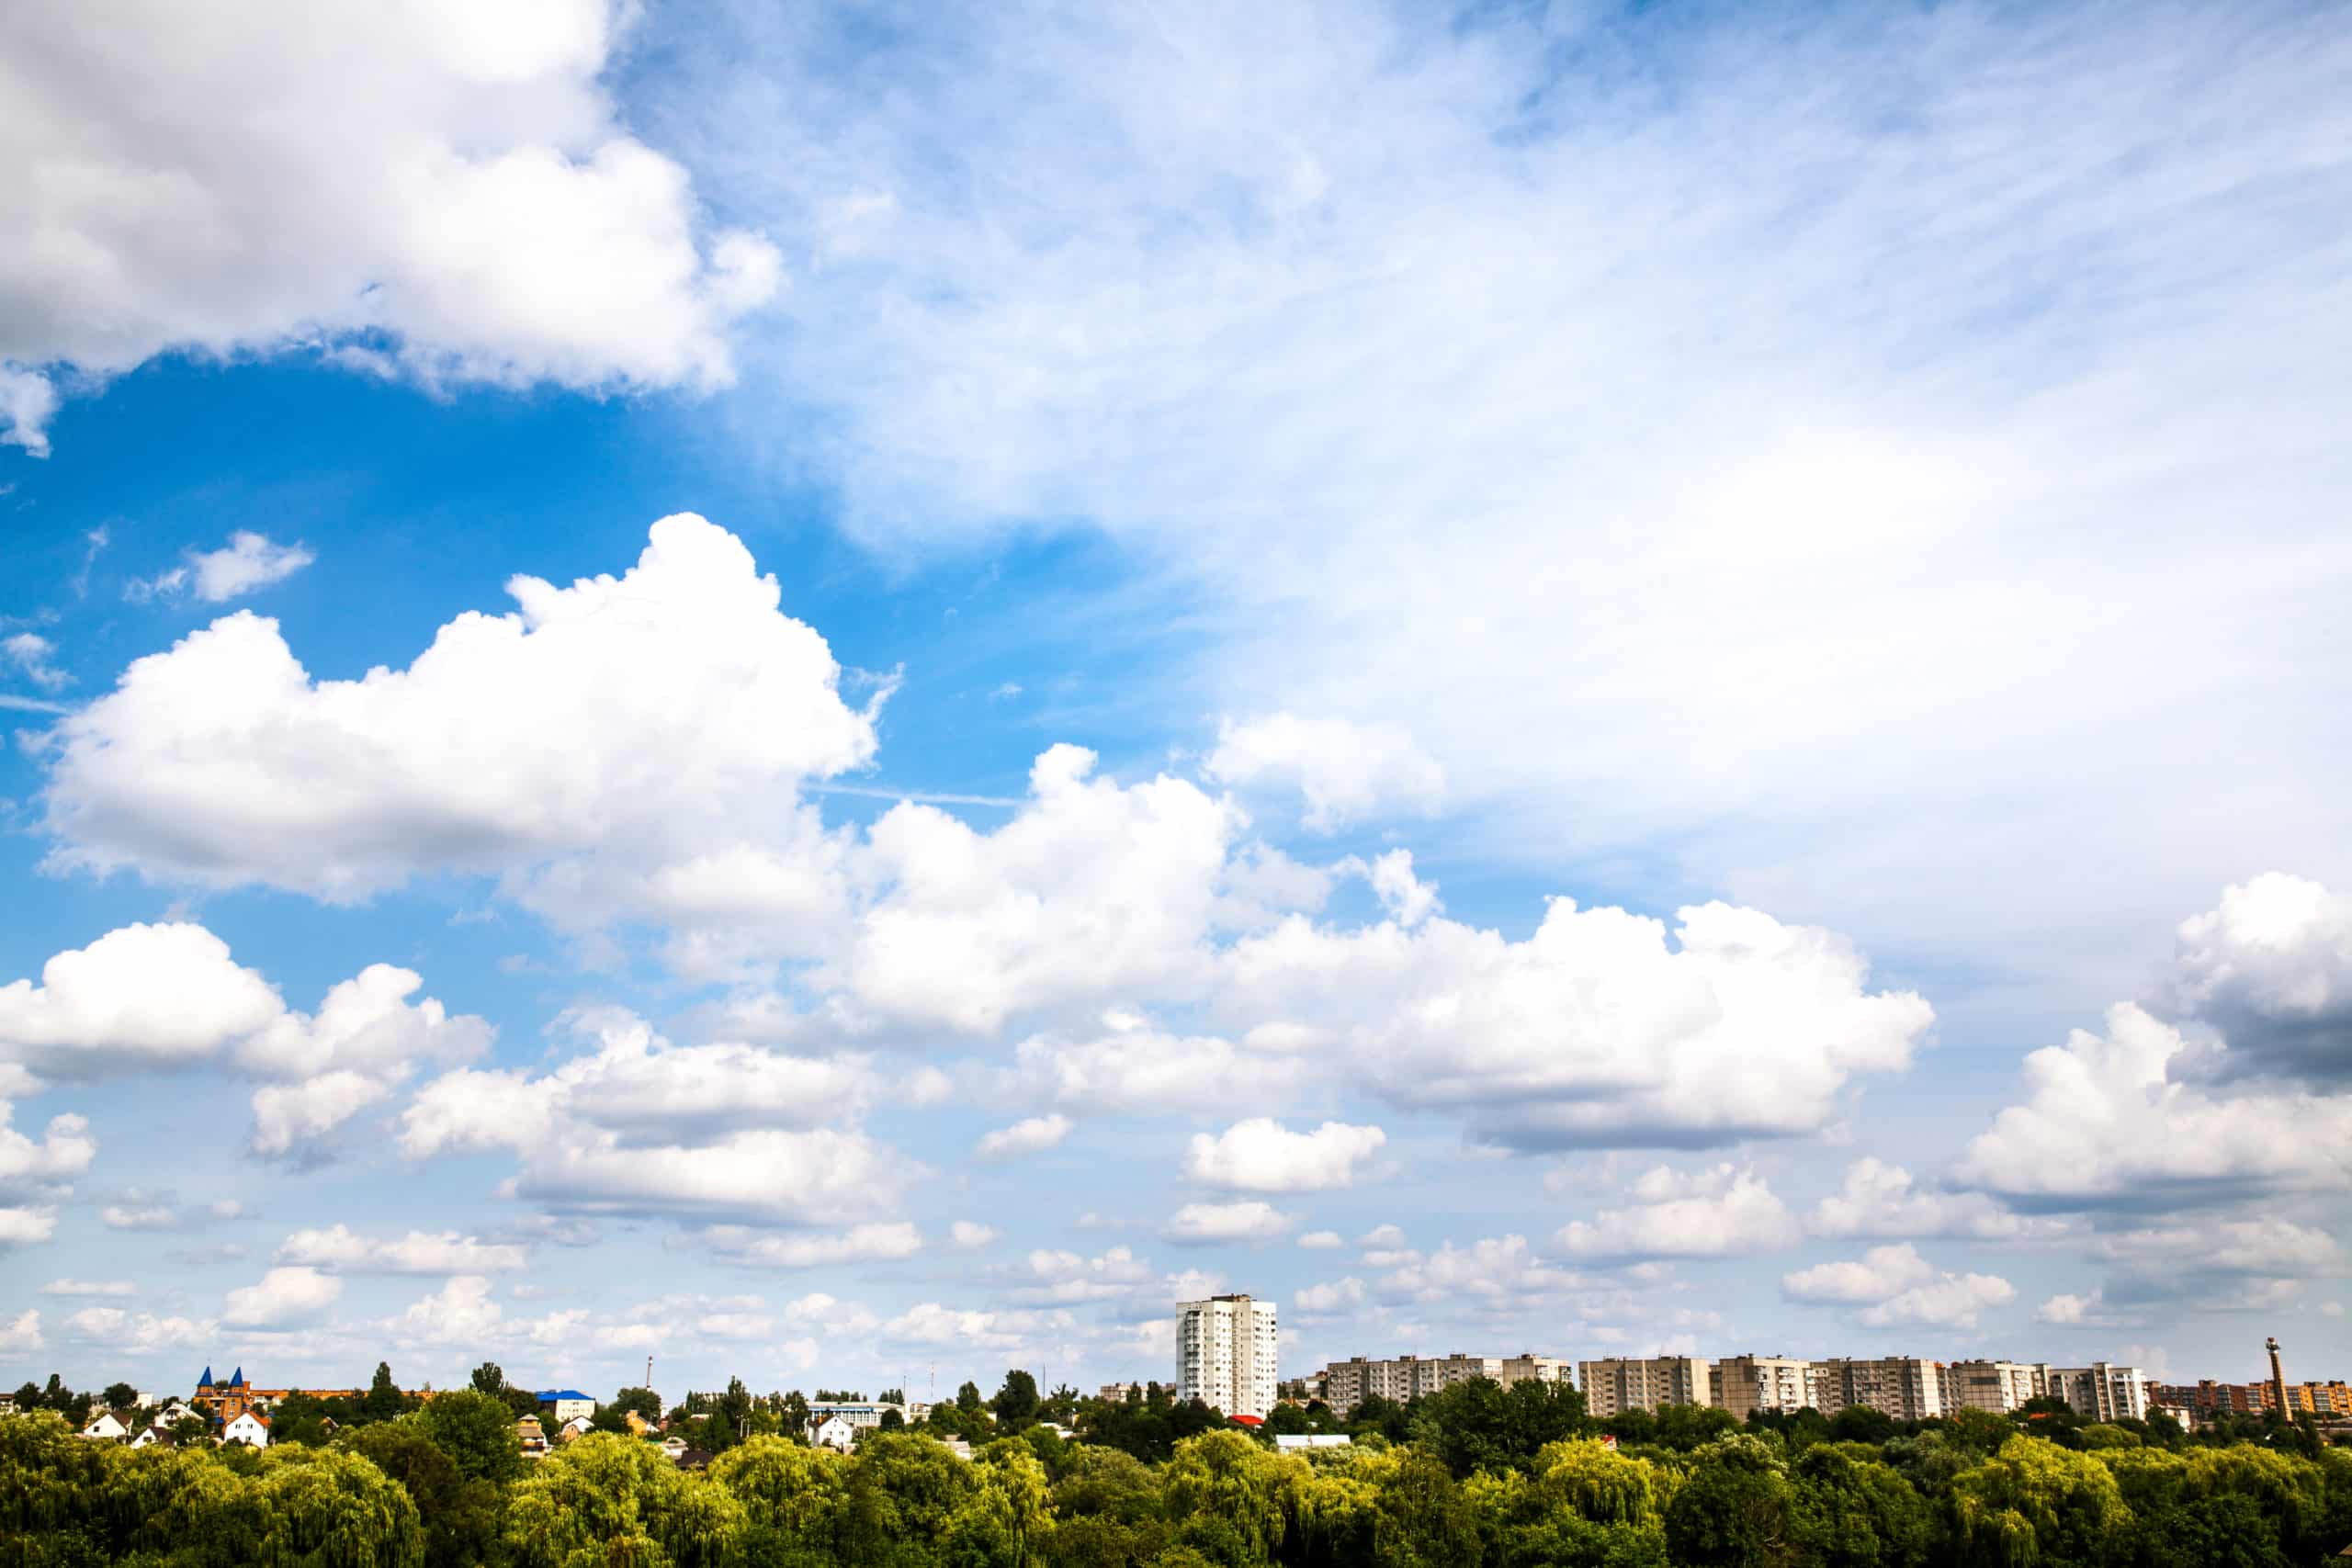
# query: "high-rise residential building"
1903 1387
2101 1392
1347 1383
1745 1384
1619 1383
1997 1386
1225 1354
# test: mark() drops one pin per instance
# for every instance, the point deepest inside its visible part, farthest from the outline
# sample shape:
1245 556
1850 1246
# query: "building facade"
2102 1391
1745 1384
1347 1383
1618 1383
1997 1386
1903 1387
1226 1349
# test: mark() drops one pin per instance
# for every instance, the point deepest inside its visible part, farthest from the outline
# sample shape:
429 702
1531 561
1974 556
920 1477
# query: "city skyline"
830 702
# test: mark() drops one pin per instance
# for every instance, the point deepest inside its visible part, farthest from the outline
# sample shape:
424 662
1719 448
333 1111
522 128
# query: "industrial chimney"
2277 1380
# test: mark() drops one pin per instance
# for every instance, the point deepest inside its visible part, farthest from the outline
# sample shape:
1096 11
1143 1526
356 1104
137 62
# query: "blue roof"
559 1394
206 1380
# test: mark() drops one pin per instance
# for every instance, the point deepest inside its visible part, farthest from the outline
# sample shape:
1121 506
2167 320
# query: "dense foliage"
1512 1478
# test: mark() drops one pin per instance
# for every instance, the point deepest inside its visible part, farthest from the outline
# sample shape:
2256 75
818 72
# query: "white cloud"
880 1240
89 1288
1884 1271
1347 771
344 1250
26 1226
1716 1212
246 562
1133 1068
513 742
281 1298
1064 1277
1321 1241
971 1235
170 996
2267 1244
1263 1155
27 401
2106 1120
1501 1268
66 1149
2271 968
461 1313
21 1335
1895 1285
1032 1135
1592 1030
1204 1224
137 1215
137 1334
1336 1296
2072 1311
31 654
467 209
1612 645
1882 1200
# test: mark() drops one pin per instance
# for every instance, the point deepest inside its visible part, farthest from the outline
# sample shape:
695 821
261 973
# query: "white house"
563 1403
154 1436
178 1410
1290 1441
106 1428
836 1432
249 1429
575 1428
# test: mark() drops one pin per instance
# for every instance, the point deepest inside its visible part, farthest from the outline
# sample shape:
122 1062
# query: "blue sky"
1189 542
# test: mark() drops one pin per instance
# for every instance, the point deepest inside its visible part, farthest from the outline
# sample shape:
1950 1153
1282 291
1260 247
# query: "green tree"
477 1431
489 1377
383 1399
120 1397
1857 1513
1423 1519
1734 1508
1223 1494
322 1509
792 1496
968 1397
2035 1502
644 1400
1015 1403
1480 1424
460 1518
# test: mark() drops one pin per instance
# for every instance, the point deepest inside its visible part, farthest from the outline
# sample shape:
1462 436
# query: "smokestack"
2277 1380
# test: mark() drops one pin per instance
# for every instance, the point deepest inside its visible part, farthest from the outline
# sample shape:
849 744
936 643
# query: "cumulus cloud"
1895 1286
70 1287
26 1225
2109 1119
1132 1067
1336 1296
1206 1224
1500 1269
1595 1029
32 654
170 996
2267 1244
1033 1135
514 741
461 1313
1263 1155
1060 1276
1346 771
971 1235
1716 1212
875 1241
471 210
66 1149
1321 1241
2270 967
345 1251
282 1298
2075 1310
136 1333
248 561
1877 1198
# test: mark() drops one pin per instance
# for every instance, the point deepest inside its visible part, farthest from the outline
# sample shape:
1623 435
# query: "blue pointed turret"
206 1380
237 1378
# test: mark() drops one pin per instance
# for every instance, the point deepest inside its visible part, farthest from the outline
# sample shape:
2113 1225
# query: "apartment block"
1902 1387
1745 1384
2102 1391
1226 1348
1997 1386
1618 1383
1348 1384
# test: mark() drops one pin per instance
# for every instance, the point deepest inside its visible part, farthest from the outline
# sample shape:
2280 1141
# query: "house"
957 1447
178 1410
578 1426
106 1428
563 1403
156 1436
1290 1442
694 1459
674 1447
863 1415
637 1425
533 1440
836 1432
249 1428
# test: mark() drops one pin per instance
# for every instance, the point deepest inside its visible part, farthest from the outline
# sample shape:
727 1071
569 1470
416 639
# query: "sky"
850 695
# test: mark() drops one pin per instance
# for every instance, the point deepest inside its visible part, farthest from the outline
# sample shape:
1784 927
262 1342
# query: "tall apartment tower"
1225 1354
1997 1386
1903 1387
1745 1384
1620 1383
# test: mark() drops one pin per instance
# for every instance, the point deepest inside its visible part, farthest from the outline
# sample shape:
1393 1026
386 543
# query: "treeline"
1477 1480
